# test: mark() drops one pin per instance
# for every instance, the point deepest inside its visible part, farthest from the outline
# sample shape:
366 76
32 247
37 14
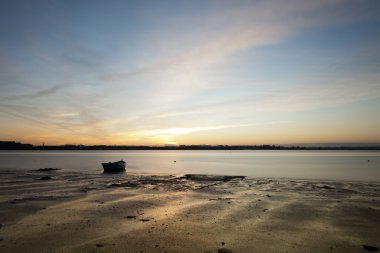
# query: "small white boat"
118 166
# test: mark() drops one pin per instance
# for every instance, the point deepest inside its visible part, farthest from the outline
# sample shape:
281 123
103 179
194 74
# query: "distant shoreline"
8 145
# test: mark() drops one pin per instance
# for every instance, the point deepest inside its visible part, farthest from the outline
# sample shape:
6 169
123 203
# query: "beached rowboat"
118 166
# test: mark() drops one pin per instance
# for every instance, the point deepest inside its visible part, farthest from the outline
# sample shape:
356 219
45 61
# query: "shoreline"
84 212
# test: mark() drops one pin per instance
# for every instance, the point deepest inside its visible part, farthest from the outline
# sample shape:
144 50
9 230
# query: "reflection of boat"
118 166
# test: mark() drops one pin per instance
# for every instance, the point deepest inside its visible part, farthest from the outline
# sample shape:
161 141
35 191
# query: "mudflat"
58 211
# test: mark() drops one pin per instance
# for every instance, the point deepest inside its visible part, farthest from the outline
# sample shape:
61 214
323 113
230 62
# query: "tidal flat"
60 211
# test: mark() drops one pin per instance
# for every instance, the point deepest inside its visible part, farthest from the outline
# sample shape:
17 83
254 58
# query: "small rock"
130 216
99 245
144 220
48 169
45 178
326 187
370 247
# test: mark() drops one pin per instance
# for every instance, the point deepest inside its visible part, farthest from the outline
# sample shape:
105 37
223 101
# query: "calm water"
341 165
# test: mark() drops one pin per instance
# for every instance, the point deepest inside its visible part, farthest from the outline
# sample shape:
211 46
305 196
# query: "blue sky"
190 72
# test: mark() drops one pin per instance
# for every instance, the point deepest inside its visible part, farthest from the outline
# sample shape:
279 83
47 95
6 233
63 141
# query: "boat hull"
111 167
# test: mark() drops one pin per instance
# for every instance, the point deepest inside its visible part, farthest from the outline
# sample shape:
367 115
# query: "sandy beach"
58 211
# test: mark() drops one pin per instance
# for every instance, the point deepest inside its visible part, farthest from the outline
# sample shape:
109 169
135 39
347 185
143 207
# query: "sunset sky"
189 72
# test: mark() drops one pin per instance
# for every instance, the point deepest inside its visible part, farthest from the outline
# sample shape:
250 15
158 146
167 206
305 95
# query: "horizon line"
12 145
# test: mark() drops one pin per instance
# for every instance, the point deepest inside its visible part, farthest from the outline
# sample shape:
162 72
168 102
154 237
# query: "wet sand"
75 212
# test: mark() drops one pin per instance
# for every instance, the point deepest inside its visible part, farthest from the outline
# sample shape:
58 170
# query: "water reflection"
347 165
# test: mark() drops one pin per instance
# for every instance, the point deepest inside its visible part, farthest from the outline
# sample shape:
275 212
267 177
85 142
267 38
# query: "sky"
211 72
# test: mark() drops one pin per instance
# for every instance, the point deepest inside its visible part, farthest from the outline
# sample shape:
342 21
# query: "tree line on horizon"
11 145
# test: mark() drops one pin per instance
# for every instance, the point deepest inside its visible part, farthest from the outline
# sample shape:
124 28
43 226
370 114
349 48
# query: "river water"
335 165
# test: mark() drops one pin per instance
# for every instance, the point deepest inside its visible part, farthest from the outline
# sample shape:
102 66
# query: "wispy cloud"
330 93
65 115
225 33
168 135
35 94
246 26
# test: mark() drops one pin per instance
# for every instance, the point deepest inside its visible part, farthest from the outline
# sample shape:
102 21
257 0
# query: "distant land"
12 145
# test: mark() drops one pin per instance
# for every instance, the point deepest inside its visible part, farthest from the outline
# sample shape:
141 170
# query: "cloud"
84 121
169 134
191 66
36 94
65 115
330 93
179 131
229 31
